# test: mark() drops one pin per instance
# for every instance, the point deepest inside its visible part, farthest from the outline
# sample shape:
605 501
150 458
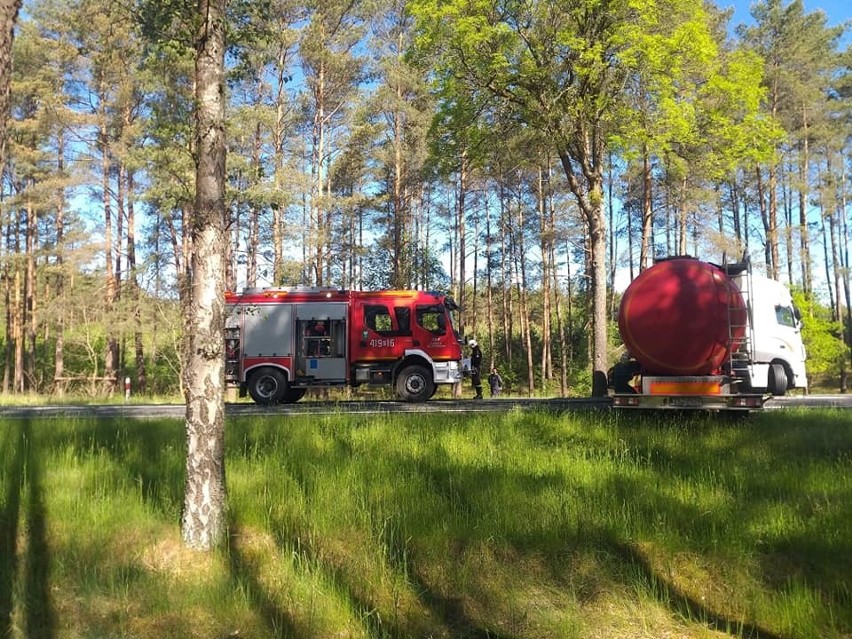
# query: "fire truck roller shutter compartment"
321 343
268 330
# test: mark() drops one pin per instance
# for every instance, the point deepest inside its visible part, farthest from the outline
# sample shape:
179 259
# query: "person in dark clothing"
475 364
495 382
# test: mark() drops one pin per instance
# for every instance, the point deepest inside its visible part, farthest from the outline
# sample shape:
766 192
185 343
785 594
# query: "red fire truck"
279 342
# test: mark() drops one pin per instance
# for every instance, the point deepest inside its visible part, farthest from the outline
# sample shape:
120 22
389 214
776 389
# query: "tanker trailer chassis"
693 392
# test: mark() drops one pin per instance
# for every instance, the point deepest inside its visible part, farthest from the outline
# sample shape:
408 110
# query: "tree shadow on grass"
244 573
12 454
24 475
459 483
461 509
784 461
152 456
678 601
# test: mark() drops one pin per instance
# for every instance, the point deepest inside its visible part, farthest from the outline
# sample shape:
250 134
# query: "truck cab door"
384 335
433 332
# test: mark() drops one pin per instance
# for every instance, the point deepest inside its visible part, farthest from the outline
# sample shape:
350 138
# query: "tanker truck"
706 336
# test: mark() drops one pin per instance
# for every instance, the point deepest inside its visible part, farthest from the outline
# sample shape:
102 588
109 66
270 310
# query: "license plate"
686 402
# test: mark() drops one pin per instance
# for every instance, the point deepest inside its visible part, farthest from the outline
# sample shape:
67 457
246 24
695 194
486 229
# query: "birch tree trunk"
204 517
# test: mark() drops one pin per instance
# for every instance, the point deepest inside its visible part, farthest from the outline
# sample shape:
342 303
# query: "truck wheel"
414 384
777 380
267 386
293 395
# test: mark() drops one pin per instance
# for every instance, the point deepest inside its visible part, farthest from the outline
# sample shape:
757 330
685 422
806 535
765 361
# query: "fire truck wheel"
294 395
267 386
414 384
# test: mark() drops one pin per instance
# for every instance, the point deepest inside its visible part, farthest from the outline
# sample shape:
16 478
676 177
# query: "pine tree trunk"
772 229
735 211
461 240
613 246
30 299
204 518
59 282
589 197
804 241
844 260
646 246
399 257
526 332
9 336
505 295
683 219
569 314
545 234
474 280
18 316
253 248
133 282
826 253
111 352
8 17
787 207
764 216
489 287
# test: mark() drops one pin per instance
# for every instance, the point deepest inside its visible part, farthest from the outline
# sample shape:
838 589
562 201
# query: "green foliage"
828 355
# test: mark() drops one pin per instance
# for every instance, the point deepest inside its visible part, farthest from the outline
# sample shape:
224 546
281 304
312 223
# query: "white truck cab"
774 336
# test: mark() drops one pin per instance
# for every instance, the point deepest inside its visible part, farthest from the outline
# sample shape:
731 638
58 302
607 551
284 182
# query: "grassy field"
513 526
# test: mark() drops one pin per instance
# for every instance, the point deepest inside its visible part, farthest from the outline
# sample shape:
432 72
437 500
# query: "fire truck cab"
279 342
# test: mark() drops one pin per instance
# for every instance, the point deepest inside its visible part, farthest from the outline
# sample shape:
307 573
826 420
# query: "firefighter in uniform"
475 368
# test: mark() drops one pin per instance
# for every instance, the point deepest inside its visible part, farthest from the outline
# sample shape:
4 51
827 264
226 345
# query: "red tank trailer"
682 316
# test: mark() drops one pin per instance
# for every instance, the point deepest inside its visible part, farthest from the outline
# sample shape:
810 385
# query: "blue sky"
837 11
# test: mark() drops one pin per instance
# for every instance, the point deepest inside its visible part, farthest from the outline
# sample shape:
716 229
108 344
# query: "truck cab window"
432 318
379 319
785 316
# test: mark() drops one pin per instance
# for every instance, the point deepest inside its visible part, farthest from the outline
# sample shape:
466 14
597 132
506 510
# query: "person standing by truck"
495 382
475 368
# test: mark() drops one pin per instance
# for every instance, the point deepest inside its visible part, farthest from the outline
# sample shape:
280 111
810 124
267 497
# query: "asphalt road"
157 411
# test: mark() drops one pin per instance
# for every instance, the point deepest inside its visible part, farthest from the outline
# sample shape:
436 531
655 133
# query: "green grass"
511 526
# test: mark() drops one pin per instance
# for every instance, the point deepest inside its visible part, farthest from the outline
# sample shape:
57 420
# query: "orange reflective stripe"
674 387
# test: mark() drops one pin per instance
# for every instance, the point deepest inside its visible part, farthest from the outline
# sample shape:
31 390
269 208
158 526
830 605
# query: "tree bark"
590 200
764 216
59 284
204 516
847 275
110 288
30 299
135 292
461 241
646 246
521 261
8 17
804 241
